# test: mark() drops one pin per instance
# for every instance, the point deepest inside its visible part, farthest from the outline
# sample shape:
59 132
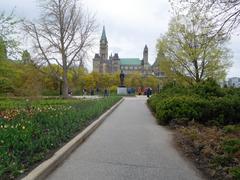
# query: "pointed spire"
145 47
104 37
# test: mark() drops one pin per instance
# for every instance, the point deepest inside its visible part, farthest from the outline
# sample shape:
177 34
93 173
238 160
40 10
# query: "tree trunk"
65 84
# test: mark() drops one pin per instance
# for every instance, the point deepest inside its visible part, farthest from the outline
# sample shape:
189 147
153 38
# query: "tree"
31 81
134 80
8 32
151 81
64 33
26 57
225 13
3 49
191 53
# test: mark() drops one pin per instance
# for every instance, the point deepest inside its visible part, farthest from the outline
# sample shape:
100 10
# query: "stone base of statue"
122 90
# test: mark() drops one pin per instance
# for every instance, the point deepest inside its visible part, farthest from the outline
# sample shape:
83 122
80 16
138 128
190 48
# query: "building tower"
146 65
104 45
145 55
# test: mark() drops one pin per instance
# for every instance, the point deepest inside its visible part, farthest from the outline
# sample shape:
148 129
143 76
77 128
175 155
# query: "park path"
129 145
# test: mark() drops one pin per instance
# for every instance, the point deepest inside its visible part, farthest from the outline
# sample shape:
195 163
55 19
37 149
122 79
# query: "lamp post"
60 85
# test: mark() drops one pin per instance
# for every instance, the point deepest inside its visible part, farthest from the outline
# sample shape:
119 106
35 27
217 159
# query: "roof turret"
103 37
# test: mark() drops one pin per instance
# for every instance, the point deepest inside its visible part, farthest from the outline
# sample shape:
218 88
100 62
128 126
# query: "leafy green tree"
9 77
31 81
134 80
191 53
3 49
8 32
26 57
76 78
151 81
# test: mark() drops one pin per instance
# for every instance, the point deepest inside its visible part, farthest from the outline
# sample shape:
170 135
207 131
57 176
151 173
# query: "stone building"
103 63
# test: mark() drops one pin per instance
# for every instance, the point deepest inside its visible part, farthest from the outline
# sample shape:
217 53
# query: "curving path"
129 145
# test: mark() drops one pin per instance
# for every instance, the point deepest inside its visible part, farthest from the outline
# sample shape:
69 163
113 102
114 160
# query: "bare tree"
64 33
226 13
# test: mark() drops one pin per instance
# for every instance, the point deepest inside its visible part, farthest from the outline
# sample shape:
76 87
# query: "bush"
206 103
189 107
235 172
113 90
208 88
231 129
231 146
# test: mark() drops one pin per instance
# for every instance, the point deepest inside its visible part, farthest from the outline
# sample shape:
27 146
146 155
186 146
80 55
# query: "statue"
122 76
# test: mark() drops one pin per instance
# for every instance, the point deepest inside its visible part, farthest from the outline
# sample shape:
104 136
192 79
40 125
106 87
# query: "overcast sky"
130 24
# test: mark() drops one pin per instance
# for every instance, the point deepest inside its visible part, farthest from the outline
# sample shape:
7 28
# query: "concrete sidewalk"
129 145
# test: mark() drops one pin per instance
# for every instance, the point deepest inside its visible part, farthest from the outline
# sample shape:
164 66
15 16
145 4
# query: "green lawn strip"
26 139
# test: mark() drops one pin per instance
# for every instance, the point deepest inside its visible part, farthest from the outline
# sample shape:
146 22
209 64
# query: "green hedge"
27 139
205 103
180 107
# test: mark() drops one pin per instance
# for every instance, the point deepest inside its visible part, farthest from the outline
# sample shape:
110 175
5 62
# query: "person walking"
92 92
105 92
148 92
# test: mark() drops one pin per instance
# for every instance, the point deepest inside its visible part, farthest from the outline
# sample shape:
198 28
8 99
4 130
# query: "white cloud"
23 8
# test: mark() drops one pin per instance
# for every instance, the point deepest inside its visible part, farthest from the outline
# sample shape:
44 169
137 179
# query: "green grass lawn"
32 129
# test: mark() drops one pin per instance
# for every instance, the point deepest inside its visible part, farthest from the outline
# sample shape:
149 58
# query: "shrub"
152 102
180 107
208 88
206 103
232 128
226 109
235 172
221 160
231 146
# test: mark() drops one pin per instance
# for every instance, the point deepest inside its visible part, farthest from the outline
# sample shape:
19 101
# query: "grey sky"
129 25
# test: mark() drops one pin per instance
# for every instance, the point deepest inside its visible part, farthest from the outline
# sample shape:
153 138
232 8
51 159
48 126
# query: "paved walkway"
129 145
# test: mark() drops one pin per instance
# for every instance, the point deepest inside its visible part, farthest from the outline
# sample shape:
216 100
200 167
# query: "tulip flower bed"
31 130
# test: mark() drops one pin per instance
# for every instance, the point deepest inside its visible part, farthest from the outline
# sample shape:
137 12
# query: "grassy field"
30 130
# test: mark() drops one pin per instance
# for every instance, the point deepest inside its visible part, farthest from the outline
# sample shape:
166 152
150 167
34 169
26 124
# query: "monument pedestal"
122 91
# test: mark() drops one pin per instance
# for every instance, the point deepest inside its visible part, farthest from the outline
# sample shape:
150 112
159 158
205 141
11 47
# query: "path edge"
45 168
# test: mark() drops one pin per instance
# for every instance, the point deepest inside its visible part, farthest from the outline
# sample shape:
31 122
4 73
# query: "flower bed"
30 130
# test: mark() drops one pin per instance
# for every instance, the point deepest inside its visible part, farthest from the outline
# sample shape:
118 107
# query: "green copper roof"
130 61
103 37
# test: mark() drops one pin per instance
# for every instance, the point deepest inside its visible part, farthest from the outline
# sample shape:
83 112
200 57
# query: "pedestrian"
69 92
97 91
148 92
84 91
139 91
92 92
105 92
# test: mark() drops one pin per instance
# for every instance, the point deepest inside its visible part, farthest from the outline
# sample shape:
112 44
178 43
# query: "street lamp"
60 85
